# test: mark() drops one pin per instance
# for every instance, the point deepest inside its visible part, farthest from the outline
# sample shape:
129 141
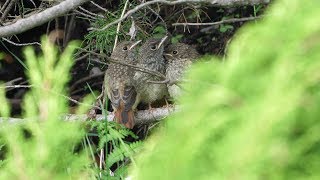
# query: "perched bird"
179 57
119 83
151 57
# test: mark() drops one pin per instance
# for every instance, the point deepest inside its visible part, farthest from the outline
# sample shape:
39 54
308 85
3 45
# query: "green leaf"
224 28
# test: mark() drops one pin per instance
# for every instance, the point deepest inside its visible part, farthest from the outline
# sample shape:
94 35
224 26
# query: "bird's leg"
92 114
150 107
167 104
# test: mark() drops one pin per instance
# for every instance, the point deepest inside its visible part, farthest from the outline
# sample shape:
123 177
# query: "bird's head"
125 51
152 49
180 51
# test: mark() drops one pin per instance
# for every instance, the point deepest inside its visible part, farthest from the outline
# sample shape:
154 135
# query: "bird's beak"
133 45
162 41
167 55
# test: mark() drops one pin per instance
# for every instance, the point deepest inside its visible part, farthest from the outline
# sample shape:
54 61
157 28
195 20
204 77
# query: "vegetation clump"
254 116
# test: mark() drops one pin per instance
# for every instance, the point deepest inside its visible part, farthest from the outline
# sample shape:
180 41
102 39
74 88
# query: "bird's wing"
129 97
122 102
114 96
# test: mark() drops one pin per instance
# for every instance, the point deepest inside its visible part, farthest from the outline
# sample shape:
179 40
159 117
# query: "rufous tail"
124 117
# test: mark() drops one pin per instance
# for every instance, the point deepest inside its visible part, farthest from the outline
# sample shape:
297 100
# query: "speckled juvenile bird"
151 57
119 83
179 57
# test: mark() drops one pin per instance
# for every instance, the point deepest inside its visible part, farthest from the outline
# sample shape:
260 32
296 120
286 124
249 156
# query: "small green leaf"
225 28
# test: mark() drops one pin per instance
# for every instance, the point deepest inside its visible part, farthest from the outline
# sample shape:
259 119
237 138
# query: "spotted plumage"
179 57
151 57
119 83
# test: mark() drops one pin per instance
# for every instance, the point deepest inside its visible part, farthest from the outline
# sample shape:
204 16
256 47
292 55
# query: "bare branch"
4 6
66 97
6 11
97 5
10 83
232 20
91 13
85 79
167 2
32 21
21 44
119 24
141 117
90 17
18 86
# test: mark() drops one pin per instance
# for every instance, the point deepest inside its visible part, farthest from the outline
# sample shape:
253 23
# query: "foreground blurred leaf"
44 147
256 116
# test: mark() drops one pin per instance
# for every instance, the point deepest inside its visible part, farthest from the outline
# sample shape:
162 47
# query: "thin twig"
218 22
158 16
119 24
97 5
13 81
13 84
91 13
33 3
18 86
81 57
21 44
86 15
74 85
212 2
69 98
4 5
7 10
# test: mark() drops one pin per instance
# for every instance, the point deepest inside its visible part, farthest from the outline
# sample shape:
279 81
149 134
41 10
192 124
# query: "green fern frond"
123 151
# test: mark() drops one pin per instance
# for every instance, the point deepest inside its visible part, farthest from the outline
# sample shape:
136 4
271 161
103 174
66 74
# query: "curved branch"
232 20
32 21
167 2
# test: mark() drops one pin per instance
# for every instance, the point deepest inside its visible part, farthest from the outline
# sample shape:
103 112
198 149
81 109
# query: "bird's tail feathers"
125 117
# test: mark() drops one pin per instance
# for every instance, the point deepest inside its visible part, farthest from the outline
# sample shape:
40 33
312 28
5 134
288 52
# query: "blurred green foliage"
253 116
43 146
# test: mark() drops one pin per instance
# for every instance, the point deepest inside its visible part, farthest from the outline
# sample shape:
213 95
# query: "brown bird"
179 57
151 57
119 83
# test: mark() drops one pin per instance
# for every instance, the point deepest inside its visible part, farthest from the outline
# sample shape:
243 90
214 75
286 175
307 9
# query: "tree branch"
6 11
141 117
32 21
232 20
167 2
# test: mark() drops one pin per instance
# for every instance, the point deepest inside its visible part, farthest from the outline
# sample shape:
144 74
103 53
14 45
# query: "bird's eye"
125 48
153 47
174 52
